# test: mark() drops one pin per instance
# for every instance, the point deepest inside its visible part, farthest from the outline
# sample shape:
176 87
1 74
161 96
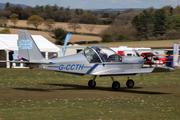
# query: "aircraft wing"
120 72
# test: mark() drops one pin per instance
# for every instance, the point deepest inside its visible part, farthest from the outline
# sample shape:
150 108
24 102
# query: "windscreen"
99 54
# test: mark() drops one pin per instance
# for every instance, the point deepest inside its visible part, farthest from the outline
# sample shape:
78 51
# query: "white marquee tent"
9 42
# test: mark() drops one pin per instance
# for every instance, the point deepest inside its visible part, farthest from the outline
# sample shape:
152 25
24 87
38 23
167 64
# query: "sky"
99 4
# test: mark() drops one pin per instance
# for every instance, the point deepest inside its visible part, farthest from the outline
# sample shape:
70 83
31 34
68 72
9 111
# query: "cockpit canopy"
99 54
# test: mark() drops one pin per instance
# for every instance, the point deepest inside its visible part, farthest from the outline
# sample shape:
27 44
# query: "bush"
161 37
81 42
5 31
106 38
121 37
59 34
91 42
172 34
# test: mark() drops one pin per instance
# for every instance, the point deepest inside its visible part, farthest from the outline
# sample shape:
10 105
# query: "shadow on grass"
122 89
33 89
82 87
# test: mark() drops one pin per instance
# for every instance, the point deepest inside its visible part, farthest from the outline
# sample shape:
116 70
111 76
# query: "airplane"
95 60
149 59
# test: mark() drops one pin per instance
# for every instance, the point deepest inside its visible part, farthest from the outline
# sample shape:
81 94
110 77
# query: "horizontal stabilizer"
15 61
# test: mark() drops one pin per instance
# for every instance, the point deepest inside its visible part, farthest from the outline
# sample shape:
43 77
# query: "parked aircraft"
94 60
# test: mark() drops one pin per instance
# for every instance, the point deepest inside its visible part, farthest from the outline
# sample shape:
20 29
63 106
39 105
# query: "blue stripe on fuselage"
95 65
92 68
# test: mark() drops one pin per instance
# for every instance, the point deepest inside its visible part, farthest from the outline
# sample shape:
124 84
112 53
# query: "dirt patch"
97 28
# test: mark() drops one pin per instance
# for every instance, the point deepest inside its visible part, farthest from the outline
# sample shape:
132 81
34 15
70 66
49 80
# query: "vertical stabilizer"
28 48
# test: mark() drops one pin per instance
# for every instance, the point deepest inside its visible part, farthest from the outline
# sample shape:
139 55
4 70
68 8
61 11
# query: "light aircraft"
94 60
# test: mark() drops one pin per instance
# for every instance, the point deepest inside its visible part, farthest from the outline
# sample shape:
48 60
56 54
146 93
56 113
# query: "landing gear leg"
92 83
130 83
115 84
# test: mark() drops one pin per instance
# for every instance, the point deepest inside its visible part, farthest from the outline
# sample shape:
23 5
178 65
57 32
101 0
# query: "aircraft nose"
140 59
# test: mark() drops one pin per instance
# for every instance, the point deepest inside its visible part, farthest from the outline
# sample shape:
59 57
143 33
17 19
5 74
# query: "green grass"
41 94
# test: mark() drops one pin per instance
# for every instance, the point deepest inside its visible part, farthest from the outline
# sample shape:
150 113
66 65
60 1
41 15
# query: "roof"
9 42
123 48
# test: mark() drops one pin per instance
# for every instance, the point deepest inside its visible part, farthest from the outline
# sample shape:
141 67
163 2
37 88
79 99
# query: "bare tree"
3 21
89 27
74 24
49 23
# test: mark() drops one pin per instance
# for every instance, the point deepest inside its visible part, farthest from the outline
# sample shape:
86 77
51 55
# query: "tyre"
130 83
115 85
92 83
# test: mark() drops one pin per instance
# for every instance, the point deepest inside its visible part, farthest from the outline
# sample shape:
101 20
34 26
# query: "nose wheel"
92 83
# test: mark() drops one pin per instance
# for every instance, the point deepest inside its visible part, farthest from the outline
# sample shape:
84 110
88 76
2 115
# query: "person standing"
169 61
11 52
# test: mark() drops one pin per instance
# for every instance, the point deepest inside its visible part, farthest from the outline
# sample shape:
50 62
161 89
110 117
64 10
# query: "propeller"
137 52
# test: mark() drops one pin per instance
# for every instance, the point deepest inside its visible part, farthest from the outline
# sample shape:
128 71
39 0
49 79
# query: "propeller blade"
137 53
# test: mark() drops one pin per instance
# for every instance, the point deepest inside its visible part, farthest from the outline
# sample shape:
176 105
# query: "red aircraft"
152 59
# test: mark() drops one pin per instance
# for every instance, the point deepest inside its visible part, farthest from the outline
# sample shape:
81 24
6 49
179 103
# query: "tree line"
149 24
59 14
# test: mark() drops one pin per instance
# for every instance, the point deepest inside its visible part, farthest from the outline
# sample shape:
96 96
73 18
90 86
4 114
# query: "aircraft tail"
28 48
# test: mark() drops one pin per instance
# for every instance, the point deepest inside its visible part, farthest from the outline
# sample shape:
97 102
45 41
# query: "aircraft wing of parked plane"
94 60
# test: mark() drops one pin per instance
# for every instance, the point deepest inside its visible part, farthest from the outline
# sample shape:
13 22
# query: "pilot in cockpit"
102 55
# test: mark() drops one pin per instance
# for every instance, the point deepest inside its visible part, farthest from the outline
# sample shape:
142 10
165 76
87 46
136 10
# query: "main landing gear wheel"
92 83
115 85
130 83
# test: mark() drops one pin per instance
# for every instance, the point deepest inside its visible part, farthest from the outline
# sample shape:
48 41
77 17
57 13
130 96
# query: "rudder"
28 48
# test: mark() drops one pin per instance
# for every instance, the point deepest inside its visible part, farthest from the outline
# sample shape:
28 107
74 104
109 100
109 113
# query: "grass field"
40 94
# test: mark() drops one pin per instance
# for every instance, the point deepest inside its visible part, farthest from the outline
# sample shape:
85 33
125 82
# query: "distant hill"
116 9
3 5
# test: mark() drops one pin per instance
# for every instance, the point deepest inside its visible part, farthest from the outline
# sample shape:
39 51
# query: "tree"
89 27
176 11
14 18
55 7
59 34
26 13
7 4
3 21
174 22
159 24
35 20
15 9
74 24
49 23
88 18
79 11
